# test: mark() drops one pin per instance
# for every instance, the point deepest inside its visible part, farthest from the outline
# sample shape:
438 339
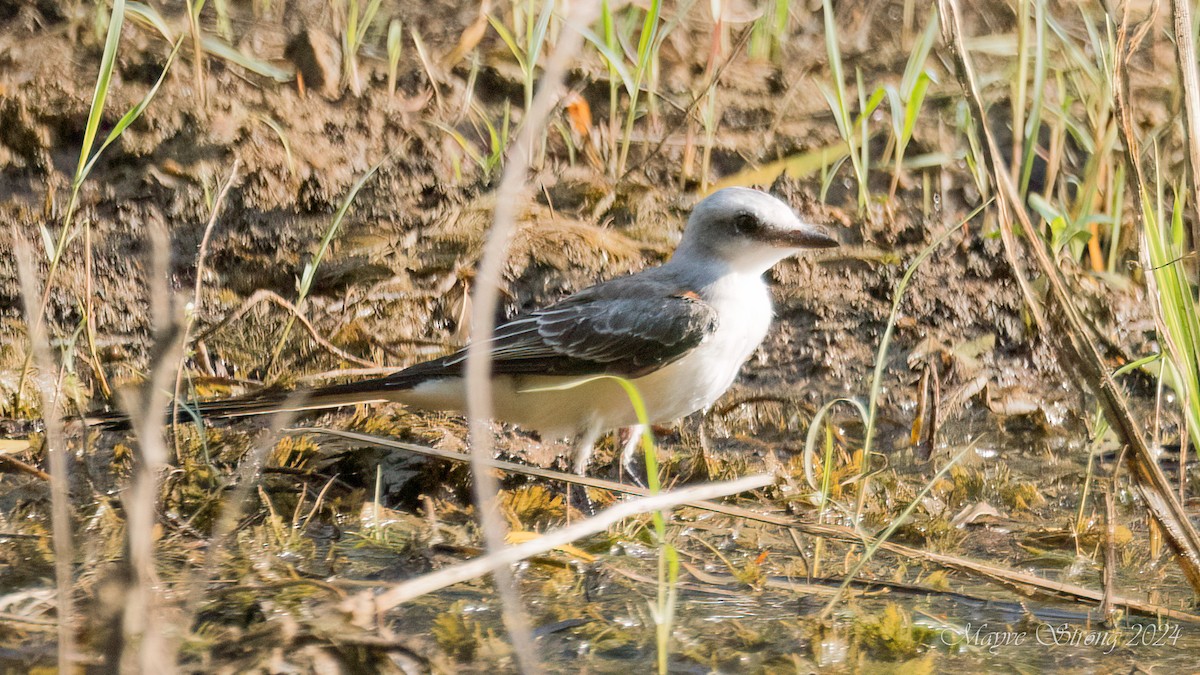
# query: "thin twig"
56 452
263 294
23 467
486 299
1185 53
145 645
365 606
197 297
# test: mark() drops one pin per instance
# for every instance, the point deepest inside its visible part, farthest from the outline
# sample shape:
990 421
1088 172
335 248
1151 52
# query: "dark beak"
808 236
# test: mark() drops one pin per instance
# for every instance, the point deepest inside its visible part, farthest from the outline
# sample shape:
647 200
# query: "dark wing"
630 327
589 333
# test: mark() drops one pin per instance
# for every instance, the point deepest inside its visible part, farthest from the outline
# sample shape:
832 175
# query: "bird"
679 332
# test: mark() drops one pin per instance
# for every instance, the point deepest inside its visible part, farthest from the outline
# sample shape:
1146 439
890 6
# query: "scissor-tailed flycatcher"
679 332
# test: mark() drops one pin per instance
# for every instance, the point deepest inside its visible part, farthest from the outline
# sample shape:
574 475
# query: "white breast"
696 381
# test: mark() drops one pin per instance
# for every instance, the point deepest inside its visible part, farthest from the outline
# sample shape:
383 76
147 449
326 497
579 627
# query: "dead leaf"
580 114
469 39
973 512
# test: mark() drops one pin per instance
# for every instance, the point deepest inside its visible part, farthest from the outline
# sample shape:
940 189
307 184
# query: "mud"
394 288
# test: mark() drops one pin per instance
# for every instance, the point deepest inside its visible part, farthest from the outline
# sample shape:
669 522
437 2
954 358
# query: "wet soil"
394 289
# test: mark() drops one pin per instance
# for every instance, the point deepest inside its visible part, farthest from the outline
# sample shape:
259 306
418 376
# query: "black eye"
745 223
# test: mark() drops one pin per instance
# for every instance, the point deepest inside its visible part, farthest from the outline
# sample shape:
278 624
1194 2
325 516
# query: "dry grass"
50 392
254 552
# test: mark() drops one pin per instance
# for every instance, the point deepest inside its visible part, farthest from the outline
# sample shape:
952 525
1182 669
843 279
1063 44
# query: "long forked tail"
265 403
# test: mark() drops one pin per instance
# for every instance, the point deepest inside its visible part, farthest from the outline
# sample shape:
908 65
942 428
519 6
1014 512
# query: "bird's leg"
585 442
629 450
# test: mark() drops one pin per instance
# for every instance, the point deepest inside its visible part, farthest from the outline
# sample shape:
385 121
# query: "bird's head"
748 230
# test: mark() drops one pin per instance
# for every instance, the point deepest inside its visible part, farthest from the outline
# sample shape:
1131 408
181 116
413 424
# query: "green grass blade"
462 141
834 52
645 41
368 18
913 109
885 342
810 439
395 45
871 104
896 106
835 106
287 147
539 33
608 25
350 34
653 483
668 557
221 49
612 58
48 241
107 62
1179 325
149 16
395 38
891 529
916 61
136 111
649 32
668 592
310 269
1034 124
509 40
95 114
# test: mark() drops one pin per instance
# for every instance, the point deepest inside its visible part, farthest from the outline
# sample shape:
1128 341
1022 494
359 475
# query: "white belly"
559 407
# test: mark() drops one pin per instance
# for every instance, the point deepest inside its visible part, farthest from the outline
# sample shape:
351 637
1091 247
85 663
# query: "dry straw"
56 451
484 303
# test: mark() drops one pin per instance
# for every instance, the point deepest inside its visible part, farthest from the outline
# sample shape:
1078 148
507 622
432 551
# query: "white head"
747 230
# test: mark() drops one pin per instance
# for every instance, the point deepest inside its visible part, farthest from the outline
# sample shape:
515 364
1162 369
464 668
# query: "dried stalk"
19 466
197 298
56 452
486 299
262 295
1110 554
1069 334
366 605
145 647
1185 53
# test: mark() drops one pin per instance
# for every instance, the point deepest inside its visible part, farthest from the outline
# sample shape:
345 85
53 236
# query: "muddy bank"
394 289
